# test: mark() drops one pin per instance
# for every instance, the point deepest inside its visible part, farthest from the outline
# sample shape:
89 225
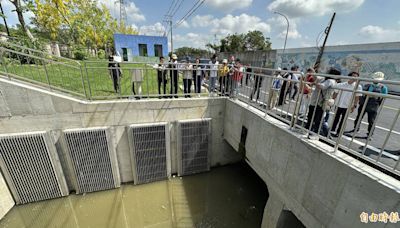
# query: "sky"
357 21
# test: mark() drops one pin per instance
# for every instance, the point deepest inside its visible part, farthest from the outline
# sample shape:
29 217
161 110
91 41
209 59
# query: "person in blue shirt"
372 105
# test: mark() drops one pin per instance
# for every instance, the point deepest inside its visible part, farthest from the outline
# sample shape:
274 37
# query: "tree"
234 43
78 22
215 47
252 41
20 9
255 40
191 52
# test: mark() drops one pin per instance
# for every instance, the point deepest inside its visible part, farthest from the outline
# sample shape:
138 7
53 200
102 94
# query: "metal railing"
379 146
140 80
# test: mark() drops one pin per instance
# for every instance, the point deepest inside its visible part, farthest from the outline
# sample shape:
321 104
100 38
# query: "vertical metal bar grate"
28 167
91 159
194 146
149 148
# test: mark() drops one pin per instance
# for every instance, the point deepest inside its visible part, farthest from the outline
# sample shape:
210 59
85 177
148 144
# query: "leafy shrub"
80 54
101 54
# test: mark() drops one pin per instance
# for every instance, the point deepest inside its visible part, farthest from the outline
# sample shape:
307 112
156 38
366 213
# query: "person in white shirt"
187 77
213 73
344 102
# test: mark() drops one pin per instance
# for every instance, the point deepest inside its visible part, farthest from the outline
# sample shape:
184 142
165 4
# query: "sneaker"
351 131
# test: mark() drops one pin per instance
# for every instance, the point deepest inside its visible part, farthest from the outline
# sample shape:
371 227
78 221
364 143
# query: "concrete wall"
323 189
6 199
24 108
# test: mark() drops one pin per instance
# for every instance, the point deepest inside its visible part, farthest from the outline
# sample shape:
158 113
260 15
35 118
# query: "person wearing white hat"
173 73
372 105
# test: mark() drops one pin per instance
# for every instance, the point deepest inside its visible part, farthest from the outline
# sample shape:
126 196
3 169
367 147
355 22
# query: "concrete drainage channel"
32 170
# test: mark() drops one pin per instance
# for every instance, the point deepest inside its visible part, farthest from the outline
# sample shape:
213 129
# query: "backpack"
373 102
277 84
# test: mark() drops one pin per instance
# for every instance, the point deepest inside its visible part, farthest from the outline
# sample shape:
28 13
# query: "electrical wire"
190 12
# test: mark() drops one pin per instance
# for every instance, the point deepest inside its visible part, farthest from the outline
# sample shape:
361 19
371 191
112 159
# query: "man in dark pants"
256 88
197 76
115 73
372 105
344 97
162 76
173 73
323 93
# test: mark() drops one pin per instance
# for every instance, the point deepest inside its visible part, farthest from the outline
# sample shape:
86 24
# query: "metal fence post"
88 82
2 50
47 74
83 82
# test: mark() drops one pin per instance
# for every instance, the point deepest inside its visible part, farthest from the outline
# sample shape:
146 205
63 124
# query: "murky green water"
231 196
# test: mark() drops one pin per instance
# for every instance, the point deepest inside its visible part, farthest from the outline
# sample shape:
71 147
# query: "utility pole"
168 20
4 18
122 13
321 51
172 43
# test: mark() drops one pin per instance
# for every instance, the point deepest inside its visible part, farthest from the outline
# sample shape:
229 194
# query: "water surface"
230 196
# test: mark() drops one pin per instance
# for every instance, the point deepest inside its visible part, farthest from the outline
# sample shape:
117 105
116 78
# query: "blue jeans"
213 80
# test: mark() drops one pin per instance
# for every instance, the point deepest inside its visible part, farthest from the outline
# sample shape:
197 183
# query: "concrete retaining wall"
323 189
6 200
25 108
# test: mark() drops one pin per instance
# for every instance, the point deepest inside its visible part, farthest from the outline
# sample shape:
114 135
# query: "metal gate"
194 146
150 152
31 167
92 159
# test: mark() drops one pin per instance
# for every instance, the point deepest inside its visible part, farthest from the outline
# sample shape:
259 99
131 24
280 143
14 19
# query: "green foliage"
192 52
101 54
80 53
255 40
77 22
251 41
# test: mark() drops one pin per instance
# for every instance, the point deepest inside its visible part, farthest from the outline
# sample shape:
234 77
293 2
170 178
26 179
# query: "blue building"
129 46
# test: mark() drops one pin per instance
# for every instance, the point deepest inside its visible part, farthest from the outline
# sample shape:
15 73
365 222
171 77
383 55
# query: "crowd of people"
318 96
321 96
219 78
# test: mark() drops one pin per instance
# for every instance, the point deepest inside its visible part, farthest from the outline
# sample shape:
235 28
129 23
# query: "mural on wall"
364 62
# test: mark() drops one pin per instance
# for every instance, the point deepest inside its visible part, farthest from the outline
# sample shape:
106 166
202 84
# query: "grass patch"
95 76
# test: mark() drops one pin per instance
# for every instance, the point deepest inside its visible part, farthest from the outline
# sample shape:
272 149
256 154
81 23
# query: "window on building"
143 49
127 54
158 50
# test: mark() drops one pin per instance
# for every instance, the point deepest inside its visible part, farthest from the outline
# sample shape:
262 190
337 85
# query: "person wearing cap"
373 103
187 77
115 73
223 74
213 73
173 73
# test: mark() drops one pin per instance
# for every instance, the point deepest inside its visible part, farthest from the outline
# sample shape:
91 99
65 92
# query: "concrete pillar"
272 211
6 200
